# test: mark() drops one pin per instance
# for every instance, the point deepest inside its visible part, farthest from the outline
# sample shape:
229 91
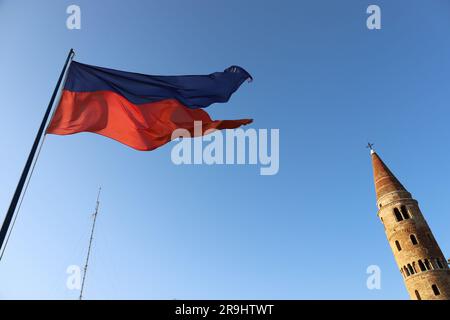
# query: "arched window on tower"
417 295
435 290
405 212
427 264
406 271
399 248
422 266
410 268
433 263
438 261
413 239
398 215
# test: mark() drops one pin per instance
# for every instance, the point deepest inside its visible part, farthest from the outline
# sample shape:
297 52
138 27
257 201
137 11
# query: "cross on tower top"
370 146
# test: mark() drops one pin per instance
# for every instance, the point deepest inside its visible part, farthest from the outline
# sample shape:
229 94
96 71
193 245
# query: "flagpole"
20 185
90 243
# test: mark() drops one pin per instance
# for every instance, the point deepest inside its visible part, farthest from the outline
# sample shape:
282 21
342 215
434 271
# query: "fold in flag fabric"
141 110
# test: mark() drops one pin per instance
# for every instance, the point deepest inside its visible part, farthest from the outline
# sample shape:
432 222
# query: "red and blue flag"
141 110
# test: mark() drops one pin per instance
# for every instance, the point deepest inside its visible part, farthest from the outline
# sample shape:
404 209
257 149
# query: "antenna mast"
90 242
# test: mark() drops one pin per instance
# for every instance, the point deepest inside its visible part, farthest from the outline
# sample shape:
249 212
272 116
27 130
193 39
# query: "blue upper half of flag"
193 91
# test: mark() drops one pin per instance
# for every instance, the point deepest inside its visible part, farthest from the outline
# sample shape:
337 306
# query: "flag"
140 110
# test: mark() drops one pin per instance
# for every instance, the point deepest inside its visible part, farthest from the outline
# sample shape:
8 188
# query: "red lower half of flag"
142 127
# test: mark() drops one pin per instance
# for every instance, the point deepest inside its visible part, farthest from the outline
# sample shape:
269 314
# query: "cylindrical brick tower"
419 258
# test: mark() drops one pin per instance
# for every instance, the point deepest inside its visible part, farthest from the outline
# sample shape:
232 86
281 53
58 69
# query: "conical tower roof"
385 181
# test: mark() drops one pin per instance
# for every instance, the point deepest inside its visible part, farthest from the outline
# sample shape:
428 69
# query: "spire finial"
370 146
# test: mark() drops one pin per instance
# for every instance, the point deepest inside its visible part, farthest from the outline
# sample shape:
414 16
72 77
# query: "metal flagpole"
26 170
90 243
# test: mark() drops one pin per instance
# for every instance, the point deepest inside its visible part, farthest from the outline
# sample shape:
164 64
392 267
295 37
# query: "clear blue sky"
192 232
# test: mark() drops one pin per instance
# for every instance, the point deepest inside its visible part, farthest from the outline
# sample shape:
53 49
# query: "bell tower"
419 259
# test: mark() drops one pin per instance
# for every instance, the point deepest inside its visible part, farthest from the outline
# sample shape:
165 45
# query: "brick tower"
419 258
